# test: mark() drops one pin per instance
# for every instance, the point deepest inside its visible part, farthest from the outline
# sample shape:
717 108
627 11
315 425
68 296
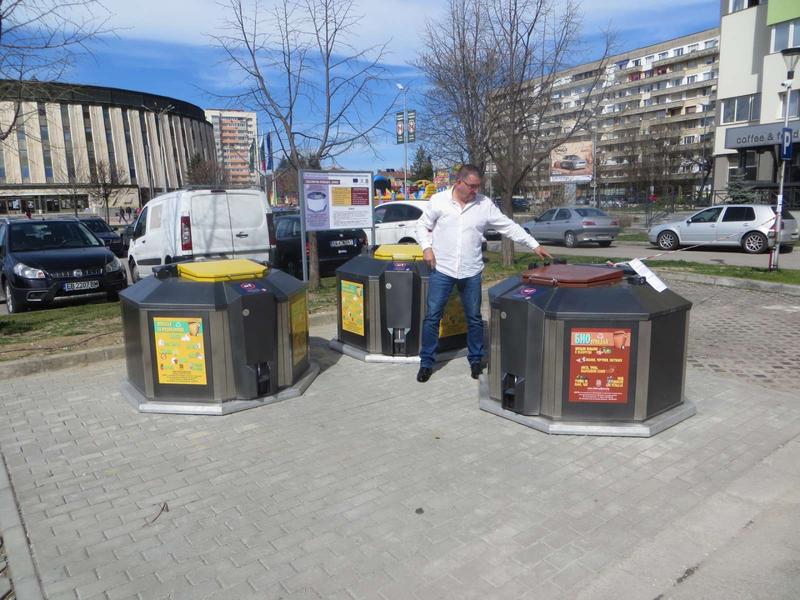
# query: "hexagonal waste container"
215 337
382 301
585 350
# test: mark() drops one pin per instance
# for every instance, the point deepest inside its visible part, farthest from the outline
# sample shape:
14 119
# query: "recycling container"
214 335
382 299
585 344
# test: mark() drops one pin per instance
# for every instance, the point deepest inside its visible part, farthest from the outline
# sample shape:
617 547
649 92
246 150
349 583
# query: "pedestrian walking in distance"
450 232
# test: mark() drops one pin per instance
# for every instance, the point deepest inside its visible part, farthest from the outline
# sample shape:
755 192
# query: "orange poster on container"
599 365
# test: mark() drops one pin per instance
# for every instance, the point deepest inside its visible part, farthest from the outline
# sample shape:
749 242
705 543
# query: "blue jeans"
440 286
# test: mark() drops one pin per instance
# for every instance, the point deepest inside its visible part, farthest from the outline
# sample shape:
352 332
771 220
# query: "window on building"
748 161
737 5
663 55
742 108
44 135
691 79
786 35
126 128
146 143
711 44
87 131
22 145
67 129
112 158
694 47
794 105
678 51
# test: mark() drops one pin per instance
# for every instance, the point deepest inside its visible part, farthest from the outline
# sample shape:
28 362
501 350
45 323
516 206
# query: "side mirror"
688 221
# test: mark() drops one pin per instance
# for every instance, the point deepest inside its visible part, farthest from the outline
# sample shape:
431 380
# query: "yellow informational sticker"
341 196
298 313
352 294
453 320
180 355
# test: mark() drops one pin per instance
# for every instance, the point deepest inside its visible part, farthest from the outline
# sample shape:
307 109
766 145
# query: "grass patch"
632 237
324 298
83 319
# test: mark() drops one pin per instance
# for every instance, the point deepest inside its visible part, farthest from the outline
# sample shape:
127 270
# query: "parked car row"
573 225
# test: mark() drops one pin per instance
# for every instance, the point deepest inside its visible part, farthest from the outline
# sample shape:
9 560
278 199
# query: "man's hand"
428 257
542 252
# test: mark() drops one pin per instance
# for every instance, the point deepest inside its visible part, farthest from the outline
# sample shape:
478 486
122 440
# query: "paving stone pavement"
374 486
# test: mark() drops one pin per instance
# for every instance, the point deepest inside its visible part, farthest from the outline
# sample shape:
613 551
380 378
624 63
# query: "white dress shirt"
456 234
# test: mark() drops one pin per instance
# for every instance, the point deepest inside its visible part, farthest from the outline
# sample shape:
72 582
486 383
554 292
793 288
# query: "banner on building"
400 127
571 162
412 126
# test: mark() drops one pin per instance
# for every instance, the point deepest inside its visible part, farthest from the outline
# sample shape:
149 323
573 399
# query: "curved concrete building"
69 137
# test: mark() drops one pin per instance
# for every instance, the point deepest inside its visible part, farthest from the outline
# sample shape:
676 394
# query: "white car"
751 226
396 222
201 224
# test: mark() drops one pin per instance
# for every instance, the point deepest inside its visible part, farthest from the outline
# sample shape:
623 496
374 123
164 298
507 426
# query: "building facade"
235 131
653 126
68 141
752 99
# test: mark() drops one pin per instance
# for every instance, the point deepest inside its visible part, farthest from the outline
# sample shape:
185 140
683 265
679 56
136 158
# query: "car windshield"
590 212
97 225
44 235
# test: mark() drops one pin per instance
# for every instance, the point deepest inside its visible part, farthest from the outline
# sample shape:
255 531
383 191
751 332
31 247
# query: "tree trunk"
507 246
313 262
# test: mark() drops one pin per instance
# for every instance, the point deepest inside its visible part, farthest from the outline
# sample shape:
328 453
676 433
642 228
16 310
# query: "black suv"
44 261
103 230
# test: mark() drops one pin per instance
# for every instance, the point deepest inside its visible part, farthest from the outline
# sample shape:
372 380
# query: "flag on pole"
270 166
399 121
253 155
412 126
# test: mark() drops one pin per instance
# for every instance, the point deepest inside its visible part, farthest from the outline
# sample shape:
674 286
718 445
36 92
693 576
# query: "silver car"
573 225
749 226
573 162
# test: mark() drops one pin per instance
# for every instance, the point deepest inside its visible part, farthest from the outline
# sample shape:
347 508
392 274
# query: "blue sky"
164 48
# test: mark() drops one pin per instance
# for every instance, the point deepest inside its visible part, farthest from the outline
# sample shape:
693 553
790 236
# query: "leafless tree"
40 39
459 63
301 67
205 172
106 184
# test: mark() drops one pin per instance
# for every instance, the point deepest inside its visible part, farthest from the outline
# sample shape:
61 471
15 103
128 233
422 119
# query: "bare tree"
506 58
459 63
301 68
205 172
106 184
40 39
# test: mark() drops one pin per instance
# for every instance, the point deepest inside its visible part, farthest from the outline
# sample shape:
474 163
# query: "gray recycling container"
215 332
586 344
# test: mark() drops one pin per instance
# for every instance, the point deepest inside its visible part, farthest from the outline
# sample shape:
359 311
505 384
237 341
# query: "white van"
201 224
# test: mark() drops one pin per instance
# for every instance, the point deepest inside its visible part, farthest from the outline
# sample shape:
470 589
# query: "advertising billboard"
336 200
571 162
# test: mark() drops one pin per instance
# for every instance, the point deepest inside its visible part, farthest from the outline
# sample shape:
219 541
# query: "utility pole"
403 89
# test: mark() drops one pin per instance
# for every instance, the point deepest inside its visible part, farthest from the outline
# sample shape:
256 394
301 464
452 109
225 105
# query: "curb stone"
21 570
54 362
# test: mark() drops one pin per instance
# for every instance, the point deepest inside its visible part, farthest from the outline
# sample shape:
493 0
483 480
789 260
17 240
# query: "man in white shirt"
450 232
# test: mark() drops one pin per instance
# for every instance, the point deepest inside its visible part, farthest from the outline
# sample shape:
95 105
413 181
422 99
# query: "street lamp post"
790 56
403 89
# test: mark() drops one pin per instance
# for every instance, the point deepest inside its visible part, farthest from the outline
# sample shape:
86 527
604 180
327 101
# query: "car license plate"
340 243
81 285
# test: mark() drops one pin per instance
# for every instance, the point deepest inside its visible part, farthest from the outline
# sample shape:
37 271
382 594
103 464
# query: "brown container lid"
572 276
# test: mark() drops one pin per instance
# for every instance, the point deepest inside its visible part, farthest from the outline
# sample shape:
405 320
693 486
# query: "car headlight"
27 272
113 265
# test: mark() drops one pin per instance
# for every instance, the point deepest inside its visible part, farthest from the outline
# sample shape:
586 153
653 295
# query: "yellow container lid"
235 269
398 252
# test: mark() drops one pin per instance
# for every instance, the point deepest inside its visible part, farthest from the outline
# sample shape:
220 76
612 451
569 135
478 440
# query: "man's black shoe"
475 370
424 374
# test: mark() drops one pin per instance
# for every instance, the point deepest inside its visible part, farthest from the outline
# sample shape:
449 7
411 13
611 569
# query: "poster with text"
599 365
352 298
298 312
180 355
337 200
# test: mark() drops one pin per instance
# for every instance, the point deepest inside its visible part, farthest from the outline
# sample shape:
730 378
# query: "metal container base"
647 428
136 399
365 356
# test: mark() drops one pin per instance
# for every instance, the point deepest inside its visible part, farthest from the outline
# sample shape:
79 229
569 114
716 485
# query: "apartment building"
65 134
234 133
752 99
653 124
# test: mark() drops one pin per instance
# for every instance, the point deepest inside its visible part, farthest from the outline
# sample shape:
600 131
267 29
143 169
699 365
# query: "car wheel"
570 239
134 271
11 306
754 242
667 240
604 244
407 241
